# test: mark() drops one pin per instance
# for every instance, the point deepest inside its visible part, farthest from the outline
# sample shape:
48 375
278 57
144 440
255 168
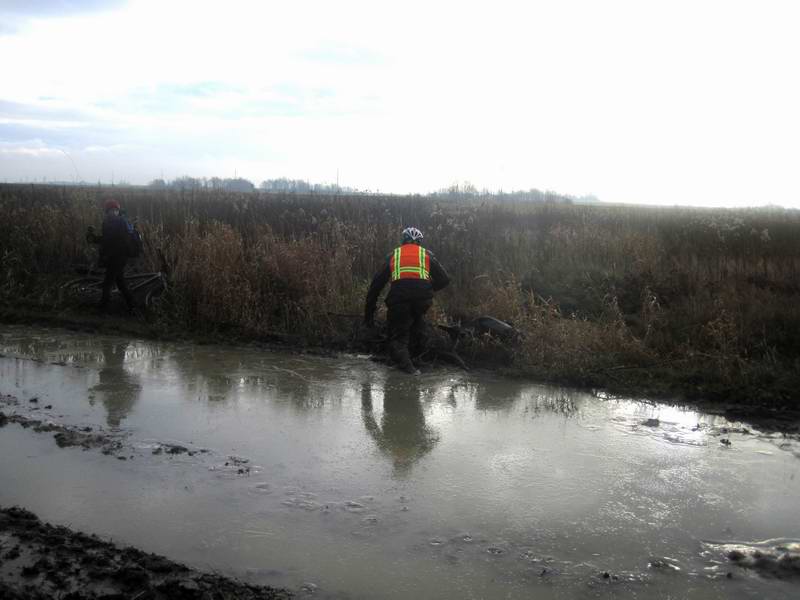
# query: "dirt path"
39 560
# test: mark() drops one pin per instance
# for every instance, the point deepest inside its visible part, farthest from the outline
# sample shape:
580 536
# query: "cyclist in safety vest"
114 250
415 275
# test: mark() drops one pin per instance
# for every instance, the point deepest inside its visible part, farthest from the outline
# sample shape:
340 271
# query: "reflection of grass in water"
703 300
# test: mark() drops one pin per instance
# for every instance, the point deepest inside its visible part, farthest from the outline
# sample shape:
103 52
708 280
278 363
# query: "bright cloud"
681 102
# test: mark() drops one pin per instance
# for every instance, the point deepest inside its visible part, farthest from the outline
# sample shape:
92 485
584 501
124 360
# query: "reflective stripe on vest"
410 261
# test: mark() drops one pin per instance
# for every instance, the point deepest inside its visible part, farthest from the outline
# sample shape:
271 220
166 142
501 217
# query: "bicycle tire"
152 290
83 287
137 285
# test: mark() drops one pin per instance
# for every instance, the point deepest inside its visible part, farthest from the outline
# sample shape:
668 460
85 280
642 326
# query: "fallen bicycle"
146 288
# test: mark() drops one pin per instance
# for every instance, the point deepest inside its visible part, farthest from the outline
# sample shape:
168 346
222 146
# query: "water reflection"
117 388
220 377
559 401
402 435
504 396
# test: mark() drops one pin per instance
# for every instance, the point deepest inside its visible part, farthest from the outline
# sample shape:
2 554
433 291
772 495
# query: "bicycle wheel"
83 287
152 291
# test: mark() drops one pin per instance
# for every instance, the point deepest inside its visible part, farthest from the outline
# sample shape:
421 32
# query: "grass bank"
670 301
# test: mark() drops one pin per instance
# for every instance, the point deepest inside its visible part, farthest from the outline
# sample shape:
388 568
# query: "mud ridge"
111 443
39 560
65 435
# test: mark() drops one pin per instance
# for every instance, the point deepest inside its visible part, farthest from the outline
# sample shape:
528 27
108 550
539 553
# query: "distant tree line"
459 190
299 186
239 184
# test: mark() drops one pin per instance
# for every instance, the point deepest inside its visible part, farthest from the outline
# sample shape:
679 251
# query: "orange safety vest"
410 261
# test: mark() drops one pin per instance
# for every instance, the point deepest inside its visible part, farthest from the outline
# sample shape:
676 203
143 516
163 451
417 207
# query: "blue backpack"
135 241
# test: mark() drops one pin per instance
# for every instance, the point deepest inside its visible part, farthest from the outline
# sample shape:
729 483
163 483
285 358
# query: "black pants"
406 321
115 273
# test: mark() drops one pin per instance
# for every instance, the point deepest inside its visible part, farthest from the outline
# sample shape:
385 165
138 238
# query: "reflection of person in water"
118 389
403 434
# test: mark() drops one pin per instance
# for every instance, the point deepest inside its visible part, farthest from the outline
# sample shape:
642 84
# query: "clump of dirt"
766 419
239 464
67 436
780 563
8 400
109 443
46 561
175 449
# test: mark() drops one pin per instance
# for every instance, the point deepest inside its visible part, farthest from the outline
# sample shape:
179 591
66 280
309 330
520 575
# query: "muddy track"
39 560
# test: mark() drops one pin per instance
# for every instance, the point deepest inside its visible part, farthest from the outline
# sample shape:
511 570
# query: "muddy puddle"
340 478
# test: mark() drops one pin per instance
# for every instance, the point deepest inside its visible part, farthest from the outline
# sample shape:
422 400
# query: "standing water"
341 478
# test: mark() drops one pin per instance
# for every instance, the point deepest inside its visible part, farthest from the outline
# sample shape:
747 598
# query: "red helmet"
111 205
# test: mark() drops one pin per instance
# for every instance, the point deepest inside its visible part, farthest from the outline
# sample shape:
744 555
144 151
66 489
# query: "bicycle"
145 287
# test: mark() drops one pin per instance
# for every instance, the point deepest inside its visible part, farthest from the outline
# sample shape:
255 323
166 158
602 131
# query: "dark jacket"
404 290
115 239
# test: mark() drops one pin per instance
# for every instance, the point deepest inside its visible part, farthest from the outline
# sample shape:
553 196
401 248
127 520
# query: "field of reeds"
701 302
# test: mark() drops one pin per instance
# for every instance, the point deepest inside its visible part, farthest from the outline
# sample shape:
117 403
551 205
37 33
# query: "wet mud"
42 561
111 443
66 436
772 559
777 563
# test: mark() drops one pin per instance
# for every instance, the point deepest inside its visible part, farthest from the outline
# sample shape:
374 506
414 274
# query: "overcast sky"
679 102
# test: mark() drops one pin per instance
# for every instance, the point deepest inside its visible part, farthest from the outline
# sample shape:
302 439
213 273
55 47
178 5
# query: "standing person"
114 250
415 275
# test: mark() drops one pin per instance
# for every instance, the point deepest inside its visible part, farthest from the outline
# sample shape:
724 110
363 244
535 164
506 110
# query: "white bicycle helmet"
412 234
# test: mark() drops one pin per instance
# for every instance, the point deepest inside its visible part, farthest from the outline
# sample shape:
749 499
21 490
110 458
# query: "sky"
653 102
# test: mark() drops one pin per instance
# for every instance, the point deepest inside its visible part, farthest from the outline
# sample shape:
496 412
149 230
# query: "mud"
782 420
39 560
772 559
66 436
111 443
779 564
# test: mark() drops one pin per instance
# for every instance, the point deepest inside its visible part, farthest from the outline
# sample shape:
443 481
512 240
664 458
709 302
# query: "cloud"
56 8
199 89
16 132
343 54
7 28
54 124
30 148
17 15
231 102
46 109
